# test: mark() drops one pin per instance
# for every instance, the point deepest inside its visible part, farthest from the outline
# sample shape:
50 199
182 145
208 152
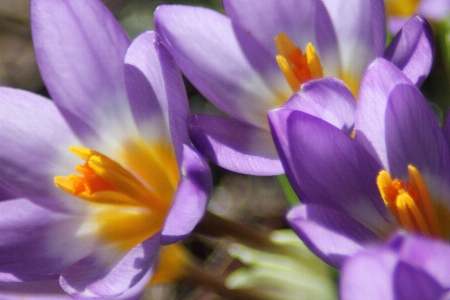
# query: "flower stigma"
297 67
126 206
410 202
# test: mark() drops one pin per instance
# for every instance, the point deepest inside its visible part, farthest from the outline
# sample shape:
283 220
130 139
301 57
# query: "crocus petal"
50 235
93 278
430 255
369 275
407 267
145 87
213 59
135 292
331 235
38 290
396 23
156 92
446 130
80 49
413 283
423 146
35 140
191 198
412 49
234 145
177 102
330 169
279 129
434 9
378 81
7 192
328 99
304 22
266 19
361 36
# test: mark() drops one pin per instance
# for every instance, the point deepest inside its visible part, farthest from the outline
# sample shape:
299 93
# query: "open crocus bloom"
393 174
406 267
253 59
95 181
399 11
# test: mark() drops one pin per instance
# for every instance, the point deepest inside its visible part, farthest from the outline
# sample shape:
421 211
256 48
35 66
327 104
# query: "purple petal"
7 192
279 129
258 53
446 130
413 283
38 290
191 198
330 169
434 10
37 243
177 102
304 22
378 82
360 30
156 91
433 256
100 275
395 23
328 99
35 140
213 59
369 275
331 235
146 88
136 292
407 143
412 49
266 19
234 145
80 48
407 267
379 25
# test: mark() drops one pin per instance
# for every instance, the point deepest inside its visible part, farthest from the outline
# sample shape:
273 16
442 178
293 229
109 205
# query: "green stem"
216 226
288 191
216 282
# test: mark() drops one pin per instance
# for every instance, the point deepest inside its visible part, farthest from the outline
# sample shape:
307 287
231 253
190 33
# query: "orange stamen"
103 180
409 202
297 67
128 202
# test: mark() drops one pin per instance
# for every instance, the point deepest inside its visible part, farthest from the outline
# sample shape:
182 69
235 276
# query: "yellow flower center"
411 204
297 67
126 205
401 8
172 264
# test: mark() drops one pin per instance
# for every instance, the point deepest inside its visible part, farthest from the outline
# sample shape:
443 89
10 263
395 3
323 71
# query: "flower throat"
297 67
411 204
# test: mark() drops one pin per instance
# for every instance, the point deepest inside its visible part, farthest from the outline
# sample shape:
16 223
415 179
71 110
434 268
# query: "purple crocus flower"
406 267
234 62
114 140
399 11
394 174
